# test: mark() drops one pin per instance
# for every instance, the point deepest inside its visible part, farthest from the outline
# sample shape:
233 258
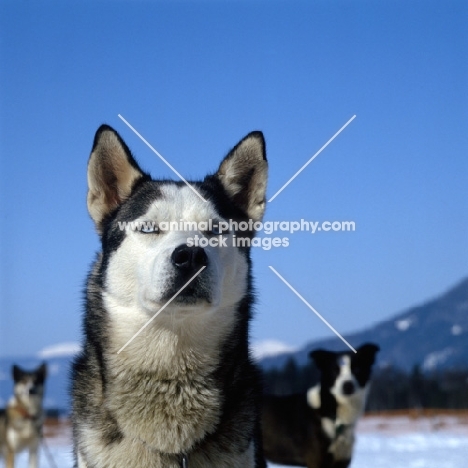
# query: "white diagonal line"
312 158
161 309
312 309
161 157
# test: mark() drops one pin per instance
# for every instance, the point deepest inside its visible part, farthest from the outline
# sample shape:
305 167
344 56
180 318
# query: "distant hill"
433 335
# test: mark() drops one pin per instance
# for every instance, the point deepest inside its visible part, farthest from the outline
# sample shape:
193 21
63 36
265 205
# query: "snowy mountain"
433 335
268 348
59 350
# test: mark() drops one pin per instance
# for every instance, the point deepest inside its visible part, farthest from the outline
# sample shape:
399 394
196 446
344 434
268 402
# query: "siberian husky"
21 422
316 429
180 390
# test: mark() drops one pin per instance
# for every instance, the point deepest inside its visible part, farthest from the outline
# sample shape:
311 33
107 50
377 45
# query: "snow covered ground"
398 442
404 442
409 451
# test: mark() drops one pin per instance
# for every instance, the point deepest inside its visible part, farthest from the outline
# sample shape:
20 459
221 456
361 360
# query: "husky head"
149 230
29 386
345 377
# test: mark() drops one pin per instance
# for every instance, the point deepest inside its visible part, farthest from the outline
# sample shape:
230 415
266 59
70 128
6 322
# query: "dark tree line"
391 389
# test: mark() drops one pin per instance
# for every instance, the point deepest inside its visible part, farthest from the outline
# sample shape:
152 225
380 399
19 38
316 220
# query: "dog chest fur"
164 410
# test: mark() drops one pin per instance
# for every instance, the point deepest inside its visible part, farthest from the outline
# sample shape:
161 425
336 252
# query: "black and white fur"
316 429
185 389
21 422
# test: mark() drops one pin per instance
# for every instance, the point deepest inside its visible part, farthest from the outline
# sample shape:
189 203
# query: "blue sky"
194 78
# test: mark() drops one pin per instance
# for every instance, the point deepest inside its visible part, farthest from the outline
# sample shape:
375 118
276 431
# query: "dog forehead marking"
344 362
177 203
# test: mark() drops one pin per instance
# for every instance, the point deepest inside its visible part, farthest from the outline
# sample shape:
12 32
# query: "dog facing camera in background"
316 429
21 422
184 391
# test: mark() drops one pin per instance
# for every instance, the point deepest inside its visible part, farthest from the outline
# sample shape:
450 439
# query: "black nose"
189 258
33 391
348 387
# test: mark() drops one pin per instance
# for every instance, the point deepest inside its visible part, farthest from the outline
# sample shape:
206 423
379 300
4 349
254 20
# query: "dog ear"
244 173
321 357
367 353
112 174
41 373
17 373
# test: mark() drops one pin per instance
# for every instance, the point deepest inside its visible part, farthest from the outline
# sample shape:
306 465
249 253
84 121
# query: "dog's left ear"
41 373
244 173
322 357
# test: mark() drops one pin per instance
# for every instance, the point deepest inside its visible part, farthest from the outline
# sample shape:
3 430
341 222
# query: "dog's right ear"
366 353
17 373
244 173
322 357
112 174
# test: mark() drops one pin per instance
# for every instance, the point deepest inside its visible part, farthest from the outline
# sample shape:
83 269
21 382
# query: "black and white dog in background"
184 391
21 422
316 429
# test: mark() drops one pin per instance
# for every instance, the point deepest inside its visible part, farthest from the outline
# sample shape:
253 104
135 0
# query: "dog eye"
149 228
214 231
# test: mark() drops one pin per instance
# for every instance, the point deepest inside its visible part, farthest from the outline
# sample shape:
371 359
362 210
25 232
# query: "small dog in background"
316 429
21 421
